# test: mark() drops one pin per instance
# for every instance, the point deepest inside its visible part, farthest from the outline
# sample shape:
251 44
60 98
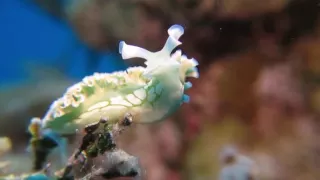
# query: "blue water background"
30 35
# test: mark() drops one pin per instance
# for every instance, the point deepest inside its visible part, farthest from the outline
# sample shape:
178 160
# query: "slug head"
164 61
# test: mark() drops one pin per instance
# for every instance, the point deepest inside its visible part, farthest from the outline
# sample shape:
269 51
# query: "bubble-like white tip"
36 120
121 44
178 53
186 98
194 62
176 31
187 85
193 72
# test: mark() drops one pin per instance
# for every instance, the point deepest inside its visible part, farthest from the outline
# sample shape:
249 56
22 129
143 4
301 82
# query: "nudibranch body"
149 94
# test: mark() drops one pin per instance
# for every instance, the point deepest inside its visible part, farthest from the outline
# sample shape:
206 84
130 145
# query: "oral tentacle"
175 32
130 51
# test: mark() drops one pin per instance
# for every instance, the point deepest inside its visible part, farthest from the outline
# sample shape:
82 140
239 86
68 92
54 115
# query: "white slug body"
149 93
